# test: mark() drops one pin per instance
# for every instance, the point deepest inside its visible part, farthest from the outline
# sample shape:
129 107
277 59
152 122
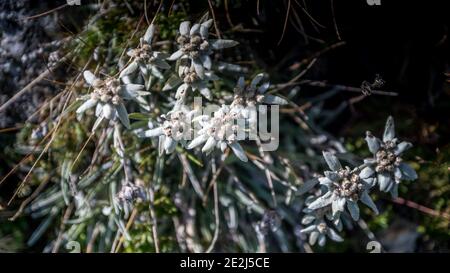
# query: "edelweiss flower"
176 128
387 167
319 230
220 131
145 59
127 196
247 97
320 213
130 192
195 46
344 188
253 94
190 80
108 96
194 69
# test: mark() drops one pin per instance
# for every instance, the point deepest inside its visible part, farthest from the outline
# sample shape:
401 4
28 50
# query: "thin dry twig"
296 78
127 227
129 40
285 22
310 61
65 217
257 7
344 87
5 130
214 19
426 210
57 126
334 20
25 158
227 14
46 12
33 83
95 233
29 199
157 11
145 12
82 149
215 176
309 15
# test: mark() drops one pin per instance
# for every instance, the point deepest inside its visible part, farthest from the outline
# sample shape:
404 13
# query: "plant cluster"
342 187
129 181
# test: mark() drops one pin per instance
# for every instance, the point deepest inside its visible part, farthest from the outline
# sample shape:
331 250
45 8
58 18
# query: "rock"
25 46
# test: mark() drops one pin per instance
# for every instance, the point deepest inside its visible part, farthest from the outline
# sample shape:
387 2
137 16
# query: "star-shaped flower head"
344 188
130 192
387 167
318 230
175 128
194 67
128 195
247 97
195 46
145 60
325 213
189 81
254 93
108 97
220 131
